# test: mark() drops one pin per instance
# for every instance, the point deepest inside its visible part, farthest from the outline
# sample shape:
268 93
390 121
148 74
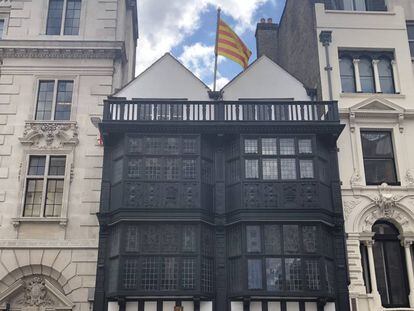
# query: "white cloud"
164 24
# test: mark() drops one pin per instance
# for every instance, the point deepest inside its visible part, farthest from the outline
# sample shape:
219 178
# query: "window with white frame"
365 72
54 100
410 32
44 186
63 17
356 5
2 25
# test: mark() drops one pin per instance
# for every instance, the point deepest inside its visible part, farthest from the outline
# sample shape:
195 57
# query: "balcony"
121 110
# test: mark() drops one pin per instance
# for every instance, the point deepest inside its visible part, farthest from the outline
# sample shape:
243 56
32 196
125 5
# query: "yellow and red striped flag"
231 46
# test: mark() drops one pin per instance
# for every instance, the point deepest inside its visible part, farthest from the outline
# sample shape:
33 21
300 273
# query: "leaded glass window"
252 168
130 273
274 274
54 17
291 239
288 168
312 275
153 168
273 239
189 168
149 279
132 240
287 146
169 273
172 145
270 169
135 168
135 145
254 273
253 238
190 145
250 146
172 169
305 146
293 274
306 169
309 238
189 273
207 275
269 146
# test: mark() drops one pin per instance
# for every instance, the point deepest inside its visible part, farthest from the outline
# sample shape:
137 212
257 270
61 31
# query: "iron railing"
188 111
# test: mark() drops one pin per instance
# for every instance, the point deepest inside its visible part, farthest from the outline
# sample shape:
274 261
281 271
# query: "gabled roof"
264 79
166 78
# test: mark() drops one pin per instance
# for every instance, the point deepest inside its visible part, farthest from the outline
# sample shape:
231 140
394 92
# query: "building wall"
62 252
383 31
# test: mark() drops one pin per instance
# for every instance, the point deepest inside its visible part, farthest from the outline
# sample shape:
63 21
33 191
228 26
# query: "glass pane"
273 239
117 170
360 5
54 17
37 165
305 146
130 273
153 168
250 146
377 144
57 166
291 239
252 168
379 171
411 43
274 274
347 75
188 273
45 100
254 274
33 198
64 100
169 274
309 239
366 74
287 146
72 18
306 169
410 31
171 146
189 238
153 145
135 145
376 5
172 169
135 168
253 239
54 195
189 169
293 274
270 169
386 76
313 278
269 146
132 239
149 273
207 275
190 145
288 168
1 28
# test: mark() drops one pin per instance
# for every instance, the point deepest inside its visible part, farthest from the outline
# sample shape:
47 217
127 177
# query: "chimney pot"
270 20
262 20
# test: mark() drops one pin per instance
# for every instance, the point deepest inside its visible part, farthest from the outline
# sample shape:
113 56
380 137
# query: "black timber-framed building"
221 205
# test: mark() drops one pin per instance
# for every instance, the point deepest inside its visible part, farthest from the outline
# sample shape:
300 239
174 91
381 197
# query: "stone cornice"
61 49
5 3
62 244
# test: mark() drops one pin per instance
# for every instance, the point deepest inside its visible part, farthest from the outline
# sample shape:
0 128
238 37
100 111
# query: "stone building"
223 200
58 60
358 53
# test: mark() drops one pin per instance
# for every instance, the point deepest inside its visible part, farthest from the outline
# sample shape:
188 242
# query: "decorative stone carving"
355 179
50 135
385 201
35 292
349 206
409 177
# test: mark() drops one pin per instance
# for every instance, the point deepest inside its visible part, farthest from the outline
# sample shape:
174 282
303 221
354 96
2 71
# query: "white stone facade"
49 263
364 204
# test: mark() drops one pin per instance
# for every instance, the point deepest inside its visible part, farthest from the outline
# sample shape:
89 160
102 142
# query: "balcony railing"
190 111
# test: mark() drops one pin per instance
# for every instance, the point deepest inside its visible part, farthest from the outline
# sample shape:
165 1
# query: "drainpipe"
325 37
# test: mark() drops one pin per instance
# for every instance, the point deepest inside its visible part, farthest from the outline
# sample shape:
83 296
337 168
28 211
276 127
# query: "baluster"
187 111
204 112
155 112
121 111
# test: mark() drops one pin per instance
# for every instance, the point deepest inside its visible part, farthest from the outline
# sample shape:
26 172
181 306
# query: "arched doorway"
390 265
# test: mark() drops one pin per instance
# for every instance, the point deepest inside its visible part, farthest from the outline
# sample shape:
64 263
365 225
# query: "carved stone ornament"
349 206
409 177
385 201
50 135
35 292
355 179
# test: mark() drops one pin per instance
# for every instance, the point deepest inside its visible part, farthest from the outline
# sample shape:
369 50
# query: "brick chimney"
266 38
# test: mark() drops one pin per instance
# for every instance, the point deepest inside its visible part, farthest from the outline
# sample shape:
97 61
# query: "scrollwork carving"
50 135
349 206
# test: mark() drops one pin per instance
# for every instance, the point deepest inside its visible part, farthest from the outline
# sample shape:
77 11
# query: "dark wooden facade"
190 209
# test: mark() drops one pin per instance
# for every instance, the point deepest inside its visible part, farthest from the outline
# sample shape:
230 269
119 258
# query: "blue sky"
187 28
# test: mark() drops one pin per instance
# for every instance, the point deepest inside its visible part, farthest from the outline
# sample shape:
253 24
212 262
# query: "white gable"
167 78
264 79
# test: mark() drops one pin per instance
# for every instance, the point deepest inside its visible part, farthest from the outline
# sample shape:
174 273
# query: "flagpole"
216 48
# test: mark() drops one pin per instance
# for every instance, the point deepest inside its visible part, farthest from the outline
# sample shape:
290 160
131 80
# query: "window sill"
58 220
368 95
360 12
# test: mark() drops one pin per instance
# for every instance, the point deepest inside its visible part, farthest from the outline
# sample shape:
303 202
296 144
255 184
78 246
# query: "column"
396 77
357 78
409 262
375 293
376 76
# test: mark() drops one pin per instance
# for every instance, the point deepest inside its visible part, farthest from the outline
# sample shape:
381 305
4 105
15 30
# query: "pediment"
35 293
377 104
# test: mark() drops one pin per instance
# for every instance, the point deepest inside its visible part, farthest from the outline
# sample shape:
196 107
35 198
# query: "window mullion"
376 76
44 190
54 103
395 77
357 76
62 25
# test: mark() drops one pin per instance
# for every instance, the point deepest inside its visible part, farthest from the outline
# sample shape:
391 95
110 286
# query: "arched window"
346 67
390 266
385 75
366 75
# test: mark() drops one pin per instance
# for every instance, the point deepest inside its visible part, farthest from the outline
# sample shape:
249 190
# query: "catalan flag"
230 45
